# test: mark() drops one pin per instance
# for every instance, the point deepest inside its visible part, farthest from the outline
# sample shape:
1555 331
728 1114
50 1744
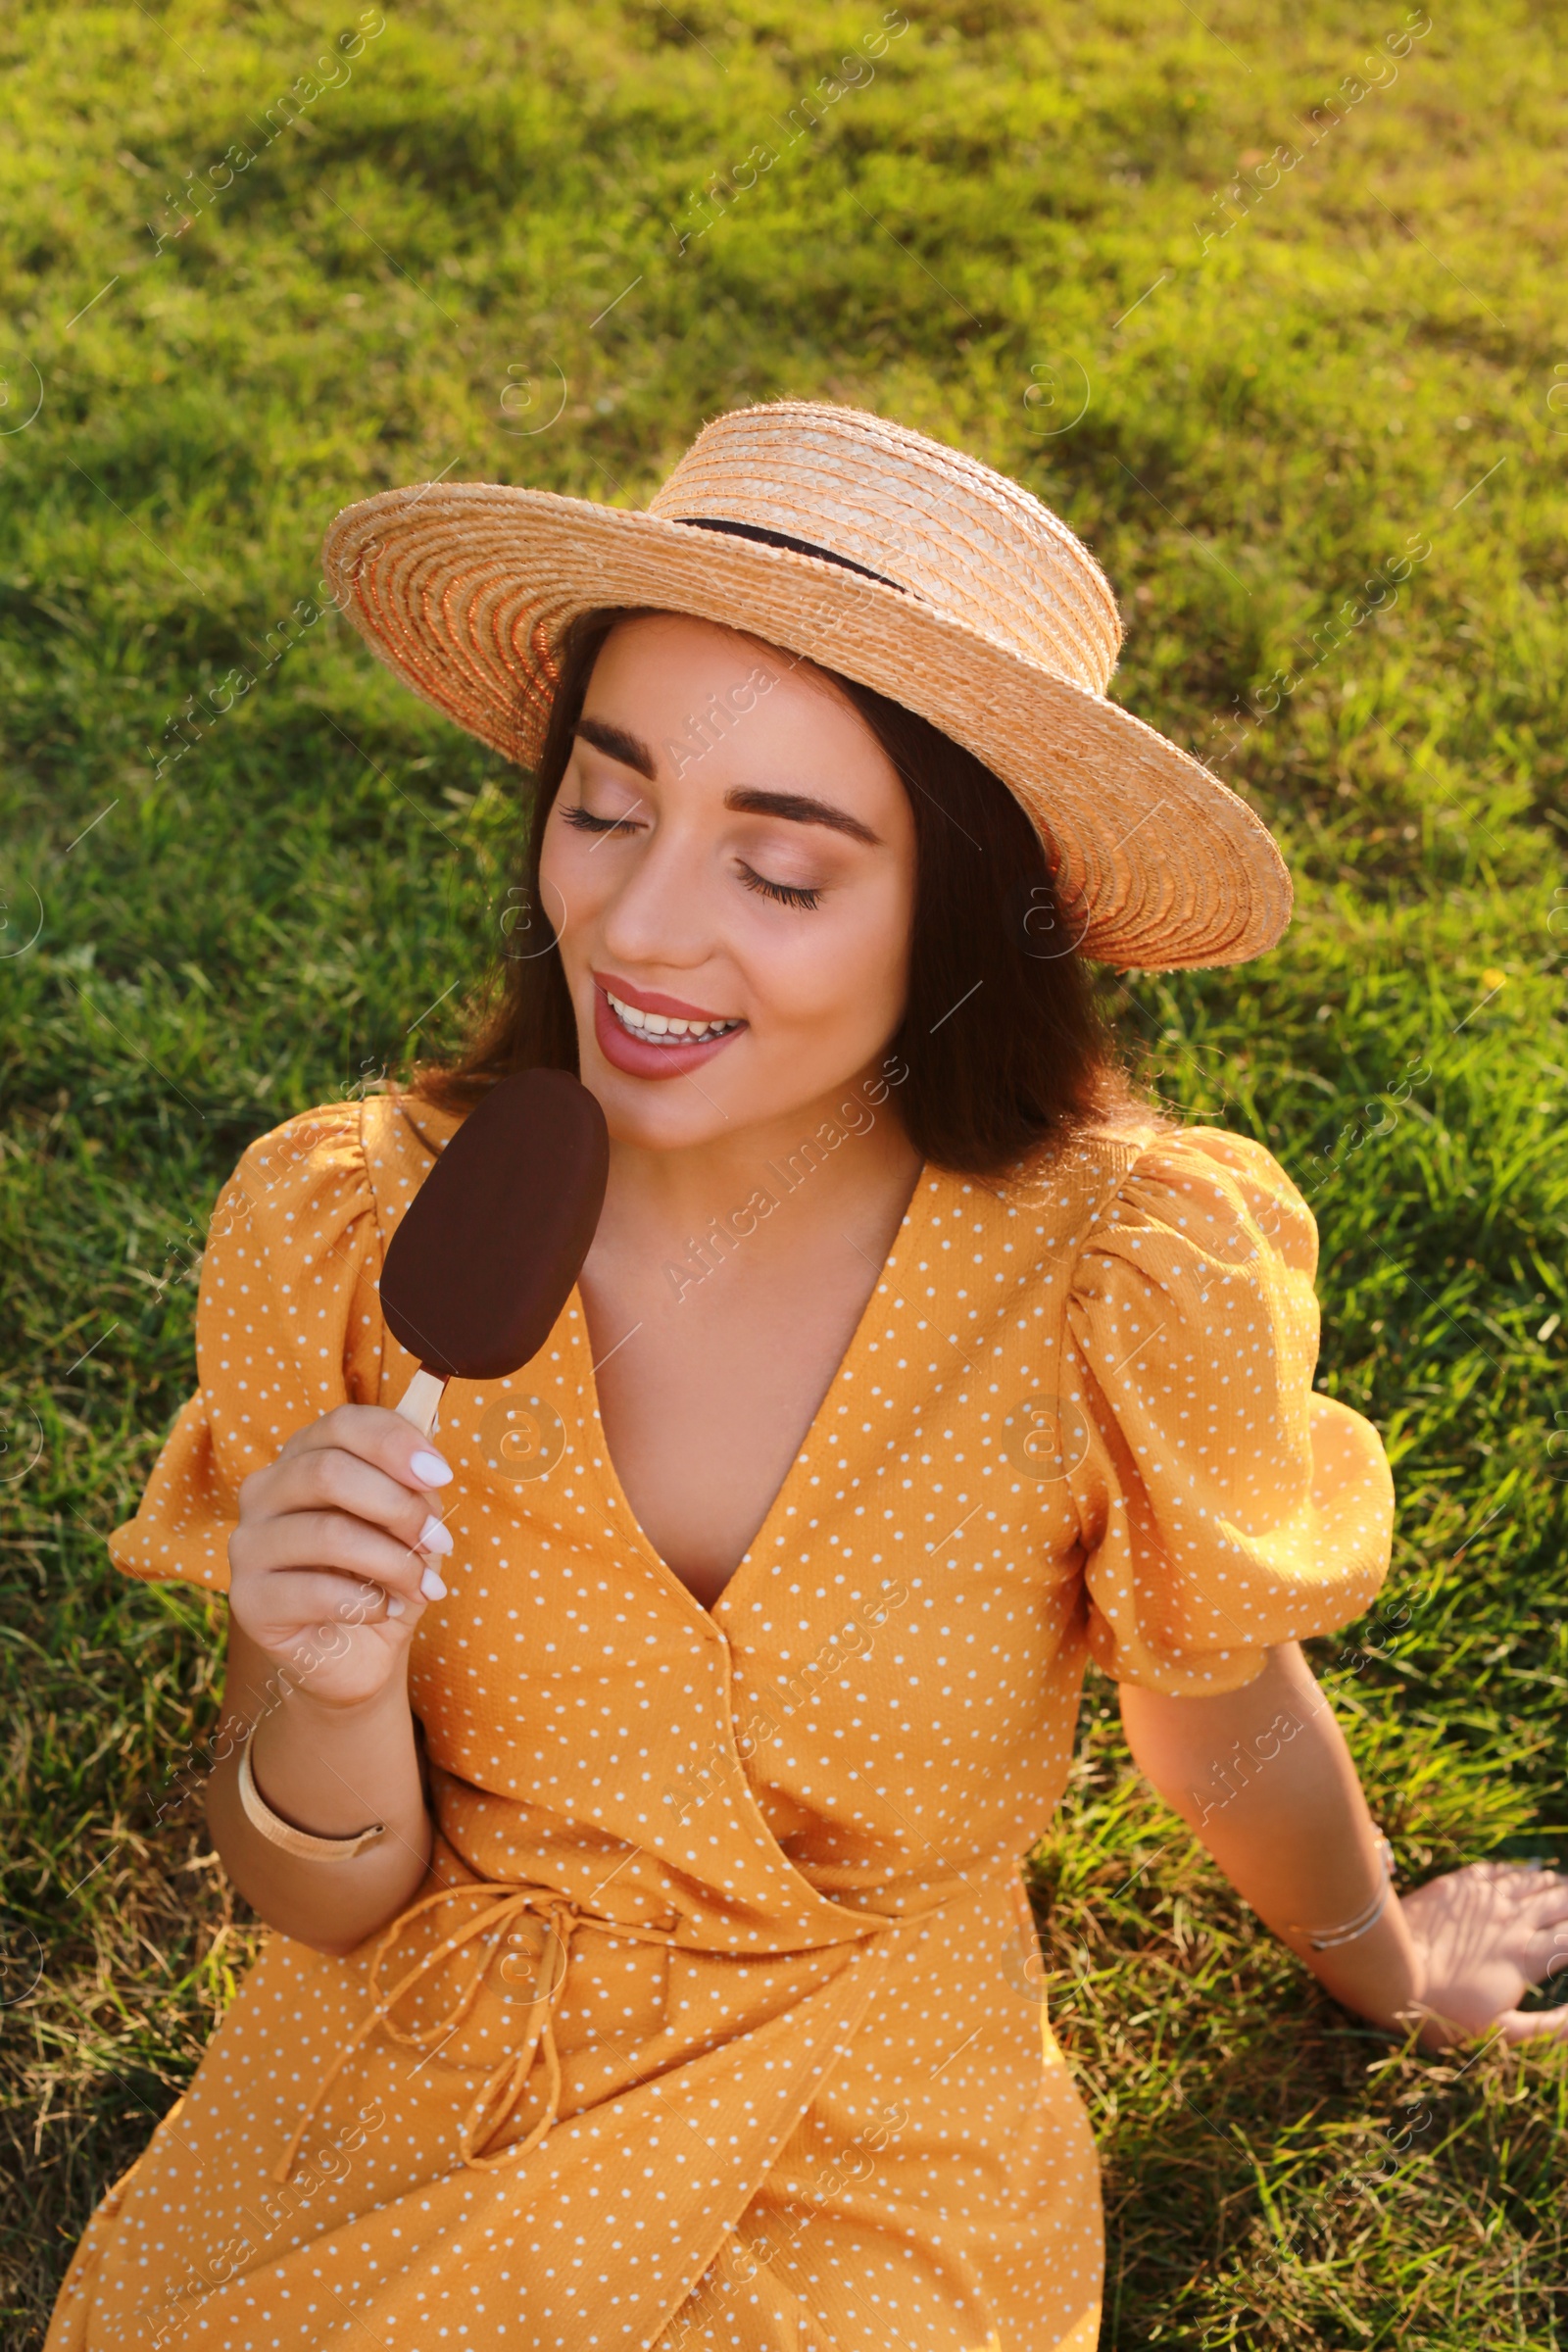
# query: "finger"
1439 2032
379 1436
1513 1877
1533 1876
1549 1957
330 1477
304 1603
1523 1880
1521 1912
1514 1891
1533 2024
311 1539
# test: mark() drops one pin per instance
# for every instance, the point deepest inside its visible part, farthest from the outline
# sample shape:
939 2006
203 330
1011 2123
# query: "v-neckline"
928 1179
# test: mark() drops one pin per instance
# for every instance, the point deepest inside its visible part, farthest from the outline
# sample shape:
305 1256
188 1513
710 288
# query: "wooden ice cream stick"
420 1400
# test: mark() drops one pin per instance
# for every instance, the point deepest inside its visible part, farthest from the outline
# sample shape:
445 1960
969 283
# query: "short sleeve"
1224 1507
287 1325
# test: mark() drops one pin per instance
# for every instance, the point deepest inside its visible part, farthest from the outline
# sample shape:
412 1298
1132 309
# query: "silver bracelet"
298 1843
1366 1918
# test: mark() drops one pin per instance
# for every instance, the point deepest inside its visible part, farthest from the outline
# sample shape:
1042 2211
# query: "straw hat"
873 552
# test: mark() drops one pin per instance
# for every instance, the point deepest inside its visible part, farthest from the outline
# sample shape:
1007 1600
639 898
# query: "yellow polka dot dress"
717 2024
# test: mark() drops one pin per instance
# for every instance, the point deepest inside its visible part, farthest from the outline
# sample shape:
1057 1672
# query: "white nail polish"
394 1606
433 1537
430 1469
432 1587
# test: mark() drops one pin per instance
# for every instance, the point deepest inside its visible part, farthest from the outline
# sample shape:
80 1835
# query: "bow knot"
476 1943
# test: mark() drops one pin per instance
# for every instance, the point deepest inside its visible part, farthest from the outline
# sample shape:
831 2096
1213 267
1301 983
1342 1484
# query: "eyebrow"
748 800
799 809
628 749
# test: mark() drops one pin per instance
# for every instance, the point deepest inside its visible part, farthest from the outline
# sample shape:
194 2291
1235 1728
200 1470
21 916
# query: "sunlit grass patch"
1066 239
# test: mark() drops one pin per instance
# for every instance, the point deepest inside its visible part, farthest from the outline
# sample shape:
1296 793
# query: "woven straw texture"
988 618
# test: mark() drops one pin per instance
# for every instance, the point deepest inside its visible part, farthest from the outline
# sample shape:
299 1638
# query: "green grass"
1373 356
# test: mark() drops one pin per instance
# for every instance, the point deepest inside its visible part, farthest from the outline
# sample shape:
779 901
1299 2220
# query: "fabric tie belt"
500 1906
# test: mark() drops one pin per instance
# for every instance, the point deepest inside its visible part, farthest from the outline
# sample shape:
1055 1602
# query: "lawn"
1267 304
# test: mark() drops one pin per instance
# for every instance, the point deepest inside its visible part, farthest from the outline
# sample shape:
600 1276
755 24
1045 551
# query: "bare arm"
1264 1778
331 1771
332 1564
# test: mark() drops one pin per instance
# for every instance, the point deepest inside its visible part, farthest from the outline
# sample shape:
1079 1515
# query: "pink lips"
639 1057
649 999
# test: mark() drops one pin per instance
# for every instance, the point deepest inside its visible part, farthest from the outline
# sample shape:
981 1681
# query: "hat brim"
465 591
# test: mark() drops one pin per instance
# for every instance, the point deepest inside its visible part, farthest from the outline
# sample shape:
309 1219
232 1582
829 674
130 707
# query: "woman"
637 1771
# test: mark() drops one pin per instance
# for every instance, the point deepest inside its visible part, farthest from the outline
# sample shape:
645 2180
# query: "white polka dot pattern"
807 2094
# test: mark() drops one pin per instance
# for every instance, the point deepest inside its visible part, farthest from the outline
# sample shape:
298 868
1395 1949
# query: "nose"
662 913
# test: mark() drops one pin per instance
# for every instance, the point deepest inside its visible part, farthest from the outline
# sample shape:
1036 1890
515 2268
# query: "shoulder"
1203 1257
1111 1187
1219 1195
334 1164
325 1139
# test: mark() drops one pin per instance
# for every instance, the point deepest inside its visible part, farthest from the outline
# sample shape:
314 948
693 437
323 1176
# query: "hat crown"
983 615
933 521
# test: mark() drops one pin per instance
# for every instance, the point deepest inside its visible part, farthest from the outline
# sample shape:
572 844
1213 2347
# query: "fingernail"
430 1470
394 1606
433 1537
432 1587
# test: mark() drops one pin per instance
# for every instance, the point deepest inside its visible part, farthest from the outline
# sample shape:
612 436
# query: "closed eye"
586 822
784 894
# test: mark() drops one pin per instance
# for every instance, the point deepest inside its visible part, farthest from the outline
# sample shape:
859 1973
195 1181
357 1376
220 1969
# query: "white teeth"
658 1024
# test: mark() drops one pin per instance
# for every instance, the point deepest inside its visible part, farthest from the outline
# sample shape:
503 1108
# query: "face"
729 864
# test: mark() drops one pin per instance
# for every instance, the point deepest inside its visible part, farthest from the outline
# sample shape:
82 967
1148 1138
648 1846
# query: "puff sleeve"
1223 1506
287 1325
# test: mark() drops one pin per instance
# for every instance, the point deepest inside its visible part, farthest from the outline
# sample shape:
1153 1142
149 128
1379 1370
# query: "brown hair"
1003 1041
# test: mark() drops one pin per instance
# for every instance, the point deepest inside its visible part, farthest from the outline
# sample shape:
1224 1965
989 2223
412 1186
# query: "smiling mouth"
663 1029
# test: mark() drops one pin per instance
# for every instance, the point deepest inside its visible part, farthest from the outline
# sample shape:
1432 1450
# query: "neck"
770 1190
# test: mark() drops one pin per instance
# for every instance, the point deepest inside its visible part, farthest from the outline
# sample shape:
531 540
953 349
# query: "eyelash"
783 894
585 823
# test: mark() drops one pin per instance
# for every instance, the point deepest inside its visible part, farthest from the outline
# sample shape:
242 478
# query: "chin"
659 1115
648 1120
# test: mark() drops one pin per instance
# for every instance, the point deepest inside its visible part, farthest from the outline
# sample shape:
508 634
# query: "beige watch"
267 1824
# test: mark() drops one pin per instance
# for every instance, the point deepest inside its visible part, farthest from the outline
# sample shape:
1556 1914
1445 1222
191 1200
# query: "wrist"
1380 1976
315 1724
330 1768
306 1746
289 1837
307 1697
1363 1921
1369 1961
